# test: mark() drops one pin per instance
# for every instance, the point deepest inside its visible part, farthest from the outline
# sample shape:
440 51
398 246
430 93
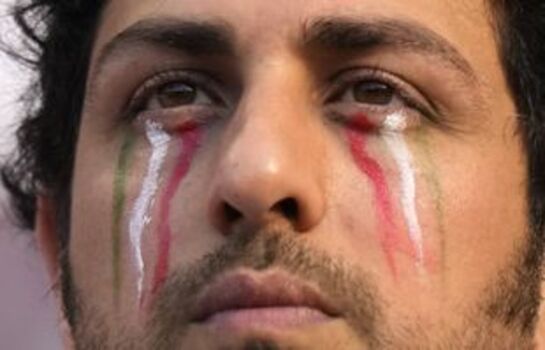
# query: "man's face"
306 174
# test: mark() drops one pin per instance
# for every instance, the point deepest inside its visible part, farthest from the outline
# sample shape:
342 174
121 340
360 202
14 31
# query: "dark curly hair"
59 35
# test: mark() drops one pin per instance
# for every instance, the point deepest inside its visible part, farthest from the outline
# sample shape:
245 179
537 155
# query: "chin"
331 335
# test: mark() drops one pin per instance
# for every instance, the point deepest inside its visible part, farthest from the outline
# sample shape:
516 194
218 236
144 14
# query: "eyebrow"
342 34
196 38
333 34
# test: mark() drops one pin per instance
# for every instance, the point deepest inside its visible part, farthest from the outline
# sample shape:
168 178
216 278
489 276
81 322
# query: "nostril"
231 214
288 208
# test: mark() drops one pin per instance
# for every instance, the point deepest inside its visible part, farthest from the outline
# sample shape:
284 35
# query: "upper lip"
248 290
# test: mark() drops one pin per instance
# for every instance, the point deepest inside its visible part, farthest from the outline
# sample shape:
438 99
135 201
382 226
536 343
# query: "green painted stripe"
119 198
432 179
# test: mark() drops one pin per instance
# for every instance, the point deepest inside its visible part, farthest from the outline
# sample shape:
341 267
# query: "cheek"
123 213
376 176
485 209
142 211
103 175
451 210
187 145
405 196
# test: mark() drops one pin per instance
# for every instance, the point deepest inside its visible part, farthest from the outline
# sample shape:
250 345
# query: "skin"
274 140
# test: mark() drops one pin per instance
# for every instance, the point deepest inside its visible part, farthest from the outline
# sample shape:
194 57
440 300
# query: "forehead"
262 24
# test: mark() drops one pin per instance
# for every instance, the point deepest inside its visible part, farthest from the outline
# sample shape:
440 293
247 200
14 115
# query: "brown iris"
373 93
176 94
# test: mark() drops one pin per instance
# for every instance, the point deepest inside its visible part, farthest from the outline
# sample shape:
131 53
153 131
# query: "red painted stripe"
372 169
189 142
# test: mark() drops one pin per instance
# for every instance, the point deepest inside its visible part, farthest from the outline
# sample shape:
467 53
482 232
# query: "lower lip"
266 318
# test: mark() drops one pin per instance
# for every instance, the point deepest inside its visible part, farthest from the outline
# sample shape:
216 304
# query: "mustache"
347 286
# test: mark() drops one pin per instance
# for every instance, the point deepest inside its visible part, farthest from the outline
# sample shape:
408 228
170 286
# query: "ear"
46 236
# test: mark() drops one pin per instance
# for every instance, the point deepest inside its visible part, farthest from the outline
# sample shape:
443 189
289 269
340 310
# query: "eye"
177 94
373 93
377 94
170 91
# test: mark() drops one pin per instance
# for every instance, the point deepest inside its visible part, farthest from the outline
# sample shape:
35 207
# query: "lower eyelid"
401 119
172 118
398 122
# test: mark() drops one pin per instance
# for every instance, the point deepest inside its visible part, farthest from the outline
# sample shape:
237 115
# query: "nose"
270 166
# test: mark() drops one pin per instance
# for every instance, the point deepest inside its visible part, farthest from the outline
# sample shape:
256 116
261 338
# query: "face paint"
140 217
119 193
189 139
434 185
372 169
393 126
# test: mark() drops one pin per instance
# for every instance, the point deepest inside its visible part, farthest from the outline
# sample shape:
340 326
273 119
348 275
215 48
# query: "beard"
503 318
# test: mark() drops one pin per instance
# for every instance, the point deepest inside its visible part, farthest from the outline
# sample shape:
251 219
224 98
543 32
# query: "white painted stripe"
140 218
394 125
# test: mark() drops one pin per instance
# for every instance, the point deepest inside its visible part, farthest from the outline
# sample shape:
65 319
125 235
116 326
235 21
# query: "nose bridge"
277 89
266 164
269 120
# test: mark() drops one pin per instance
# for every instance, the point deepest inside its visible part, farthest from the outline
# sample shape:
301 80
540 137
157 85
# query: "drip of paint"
372 169
119 193
393 125
189 142
436 191
140 217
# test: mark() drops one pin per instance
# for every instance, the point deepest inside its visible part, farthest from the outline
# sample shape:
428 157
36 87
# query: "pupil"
373 93
176 94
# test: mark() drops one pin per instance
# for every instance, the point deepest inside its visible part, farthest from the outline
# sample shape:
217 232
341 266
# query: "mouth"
250 300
